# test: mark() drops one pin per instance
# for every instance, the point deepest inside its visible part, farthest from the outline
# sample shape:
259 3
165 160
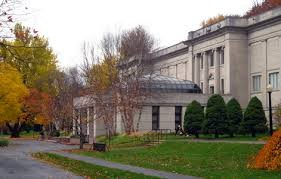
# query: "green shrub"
55 133
234 116
254 118
4 142
193 118
216 119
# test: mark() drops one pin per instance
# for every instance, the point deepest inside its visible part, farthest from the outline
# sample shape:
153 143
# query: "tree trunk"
253 133
15 130
216 134
81 136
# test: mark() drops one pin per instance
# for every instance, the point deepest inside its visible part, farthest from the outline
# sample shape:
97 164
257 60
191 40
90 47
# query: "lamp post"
269 90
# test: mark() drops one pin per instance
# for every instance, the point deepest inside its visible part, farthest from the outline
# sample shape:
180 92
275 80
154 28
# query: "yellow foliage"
103 75
212 20
12 93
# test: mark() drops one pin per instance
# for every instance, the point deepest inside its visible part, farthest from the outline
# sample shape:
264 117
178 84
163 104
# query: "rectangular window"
178 111
155 117
201 62
212 89
222 86
211 59
222 57
257 83
274 80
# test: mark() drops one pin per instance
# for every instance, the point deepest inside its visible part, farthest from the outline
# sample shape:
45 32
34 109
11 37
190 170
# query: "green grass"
23 134
259 137
121 141
86 169
208 160
4 142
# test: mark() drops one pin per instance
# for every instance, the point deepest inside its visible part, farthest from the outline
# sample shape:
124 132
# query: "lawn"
85 169
122 141
4 142
24 134
208 160
259 137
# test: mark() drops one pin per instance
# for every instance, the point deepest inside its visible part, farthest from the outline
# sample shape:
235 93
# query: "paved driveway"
16 162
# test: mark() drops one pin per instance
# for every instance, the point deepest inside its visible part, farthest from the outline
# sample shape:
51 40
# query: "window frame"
254 85
178 113
155 113
274 86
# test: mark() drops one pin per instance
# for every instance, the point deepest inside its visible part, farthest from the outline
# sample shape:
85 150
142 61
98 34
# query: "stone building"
236 57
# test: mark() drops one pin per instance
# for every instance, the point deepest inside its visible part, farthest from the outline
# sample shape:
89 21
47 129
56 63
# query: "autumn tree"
277 116
31 55
266 5
114 78
68 83
212 20
11 12
12 94
135 46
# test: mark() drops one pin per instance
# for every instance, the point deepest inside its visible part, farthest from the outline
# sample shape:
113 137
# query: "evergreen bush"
234 116
216 118
193 118
254 118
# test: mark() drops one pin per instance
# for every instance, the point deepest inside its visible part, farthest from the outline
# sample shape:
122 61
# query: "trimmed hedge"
254 118
193 118
4 142
234 116
216 118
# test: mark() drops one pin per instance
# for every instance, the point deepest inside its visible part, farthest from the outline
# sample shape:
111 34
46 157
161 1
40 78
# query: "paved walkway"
130 168
16 162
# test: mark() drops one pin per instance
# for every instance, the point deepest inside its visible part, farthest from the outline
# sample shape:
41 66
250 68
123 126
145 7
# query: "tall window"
257 83
212 89
274 80
178 110
222 86
201 85
222 57
211 59
155 117
201 62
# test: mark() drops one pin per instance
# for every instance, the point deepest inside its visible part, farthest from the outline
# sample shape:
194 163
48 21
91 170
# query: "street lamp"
269 90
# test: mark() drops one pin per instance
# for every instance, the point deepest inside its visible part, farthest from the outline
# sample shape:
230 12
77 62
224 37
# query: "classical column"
88 121
197 69
206 73
221 58
217 70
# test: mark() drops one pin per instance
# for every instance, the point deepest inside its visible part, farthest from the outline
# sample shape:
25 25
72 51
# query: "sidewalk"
130 168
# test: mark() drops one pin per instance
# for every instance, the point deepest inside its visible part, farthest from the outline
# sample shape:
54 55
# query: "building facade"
237 57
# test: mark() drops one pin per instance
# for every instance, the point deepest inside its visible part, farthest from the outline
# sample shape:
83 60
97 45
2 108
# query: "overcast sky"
68 23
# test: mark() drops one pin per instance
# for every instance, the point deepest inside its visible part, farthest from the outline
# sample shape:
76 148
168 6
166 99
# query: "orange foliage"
38 106
269 157
259 8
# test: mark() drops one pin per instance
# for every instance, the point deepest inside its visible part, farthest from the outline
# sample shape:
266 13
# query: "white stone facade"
225 57
236 57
